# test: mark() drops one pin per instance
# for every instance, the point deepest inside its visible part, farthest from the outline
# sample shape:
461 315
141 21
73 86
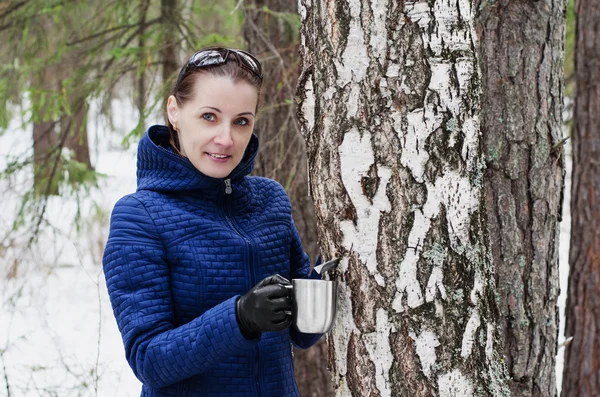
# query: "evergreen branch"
12 9
8 25
558 144
105 6
273 49
184 36
237 7
127 42
182 23
107 31
119 34
16 22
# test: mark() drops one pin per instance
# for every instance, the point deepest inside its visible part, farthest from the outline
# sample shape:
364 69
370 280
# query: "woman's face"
216 124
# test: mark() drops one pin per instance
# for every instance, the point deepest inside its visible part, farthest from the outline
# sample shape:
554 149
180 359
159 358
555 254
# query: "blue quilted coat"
181 250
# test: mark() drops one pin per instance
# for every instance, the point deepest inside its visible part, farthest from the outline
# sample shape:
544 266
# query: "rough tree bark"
399 103
76 128
74 123
45 140
141 78
169 13
273 39
521 52
582 358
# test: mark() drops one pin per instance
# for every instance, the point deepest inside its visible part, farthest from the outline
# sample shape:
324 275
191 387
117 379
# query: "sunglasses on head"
218 56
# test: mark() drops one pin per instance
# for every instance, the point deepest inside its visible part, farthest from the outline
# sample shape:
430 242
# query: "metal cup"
314 305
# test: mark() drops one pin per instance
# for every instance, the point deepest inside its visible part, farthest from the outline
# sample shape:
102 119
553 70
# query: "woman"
198 257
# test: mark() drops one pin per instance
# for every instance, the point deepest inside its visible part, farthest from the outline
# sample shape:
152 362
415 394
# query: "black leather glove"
263 307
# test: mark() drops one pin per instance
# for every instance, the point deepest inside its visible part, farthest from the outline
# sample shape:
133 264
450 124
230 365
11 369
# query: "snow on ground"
58 336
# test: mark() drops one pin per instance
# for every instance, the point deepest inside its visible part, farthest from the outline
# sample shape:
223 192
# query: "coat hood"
159 168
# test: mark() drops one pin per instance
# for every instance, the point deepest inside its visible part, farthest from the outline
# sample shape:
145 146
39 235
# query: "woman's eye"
209 116
242 121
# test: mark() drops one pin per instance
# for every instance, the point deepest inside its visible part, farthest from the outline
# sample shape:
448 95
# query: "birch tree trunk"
582 368
399 105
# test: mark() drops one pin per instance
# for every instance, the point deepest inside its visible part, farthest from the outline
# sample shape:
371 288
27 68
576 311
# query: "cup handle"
290 287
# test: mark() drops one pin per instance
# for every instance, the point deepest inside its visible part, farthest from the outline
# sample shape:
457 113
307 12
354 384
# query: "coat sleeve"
138 282
300 264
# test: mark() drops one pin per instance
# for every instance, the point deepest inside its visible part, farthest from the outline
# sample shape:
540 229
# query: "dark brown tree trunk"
141 78
283 157
169 12
53 132
45 140
73 122
76 129
274 40
69 78
581 376
522 68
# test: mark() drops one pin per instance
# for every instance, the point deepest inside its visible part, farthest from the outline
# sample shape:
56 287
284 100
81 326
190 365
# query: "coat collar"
159 168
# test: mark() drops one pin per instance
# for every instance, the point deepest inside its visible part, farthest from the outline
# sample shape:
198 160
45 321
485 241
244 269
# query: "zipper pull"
228 188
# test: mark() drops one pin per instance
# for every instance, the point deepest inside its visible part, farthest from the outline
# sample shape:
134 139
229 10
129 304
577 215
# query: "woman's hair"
185 90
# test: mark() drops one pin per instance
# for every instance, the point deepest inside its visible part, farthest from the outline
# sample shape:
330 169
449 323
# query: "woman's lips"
219 158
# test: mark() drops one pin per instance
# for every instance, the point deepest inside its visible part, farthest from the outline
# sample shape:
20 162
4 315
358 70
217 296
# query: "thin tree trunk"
522 56
45 139
273 39
582 358
74 122
141 77
72 79
76 128
169 13
397 104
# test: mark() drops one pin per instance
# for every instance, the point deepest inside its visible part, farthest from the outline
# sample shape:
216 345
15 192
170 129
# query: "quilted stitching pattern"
179 254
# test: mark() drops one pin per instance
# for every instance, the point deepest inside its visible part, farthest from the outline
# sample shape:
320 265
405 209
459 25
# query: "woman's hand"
264 307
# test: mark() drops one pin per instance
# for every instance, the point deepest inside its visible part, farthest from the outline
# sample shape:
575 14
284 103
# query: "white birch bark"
390 104
390 110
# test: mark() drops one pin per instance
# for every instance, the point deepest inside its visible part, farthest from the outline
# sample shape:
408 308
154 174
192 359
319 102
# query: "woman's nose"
224 137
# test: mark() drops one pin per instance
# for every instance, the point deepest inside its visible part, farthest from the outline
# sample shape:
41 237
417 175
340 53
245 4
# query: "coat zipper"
228 191
257 371
183 389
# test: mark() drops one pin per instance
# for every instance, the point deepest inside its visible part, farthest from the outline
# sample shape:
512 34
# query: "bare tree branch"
12 9
107 31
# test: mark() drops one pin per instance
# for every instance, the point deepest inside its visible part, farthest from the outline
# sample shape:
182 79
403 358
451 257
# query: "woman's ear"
172 110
